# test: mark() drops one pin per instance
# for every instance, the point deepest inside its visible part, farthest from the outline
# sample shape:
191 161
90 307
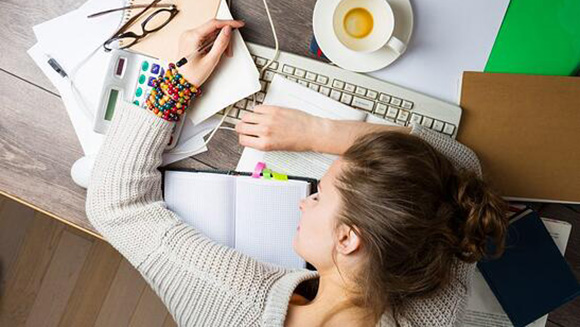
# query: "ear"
348 240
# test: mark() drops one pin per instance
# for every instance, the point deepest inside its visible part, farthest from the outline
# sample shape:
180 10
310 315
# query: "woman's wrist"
320 134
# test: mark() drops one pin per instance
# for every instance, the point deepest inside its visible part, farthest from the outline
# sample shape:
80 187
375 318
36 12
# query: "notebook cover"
525 130
532 278
162 44
538 37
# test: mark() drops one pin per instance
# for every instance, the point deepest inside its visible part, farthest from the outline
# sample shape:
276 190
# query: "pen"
203 47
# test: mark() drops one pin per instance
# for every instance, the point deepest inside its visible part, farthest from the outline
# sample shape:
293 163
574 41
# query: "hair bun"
482 217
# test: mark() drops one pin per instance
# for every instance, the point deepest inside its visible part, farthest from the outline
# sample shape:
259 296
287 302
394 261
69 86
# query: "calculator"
130 78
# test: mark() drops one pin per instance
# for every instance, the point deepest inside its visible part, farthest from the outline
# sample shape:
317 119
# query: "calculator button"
349 87
449 129
364 104
139 92
322 79
407 104
372 94
392 112
136 102
145 65
161 72
384 98
427 122
438 125
155 69
381 109
150 82
337 84
396 101
142 79
346 98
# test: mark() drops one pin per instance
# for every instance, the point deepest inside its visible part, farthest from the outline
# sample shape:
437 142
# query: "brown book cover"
525 130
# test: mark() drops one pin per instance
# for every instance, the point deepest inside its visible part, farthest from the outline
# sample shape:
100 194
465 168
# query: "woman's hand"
201 65
271 128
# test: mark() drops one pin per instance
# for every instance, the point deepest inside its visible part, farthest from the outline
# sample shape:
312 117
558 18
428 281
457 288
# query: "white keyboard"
383 99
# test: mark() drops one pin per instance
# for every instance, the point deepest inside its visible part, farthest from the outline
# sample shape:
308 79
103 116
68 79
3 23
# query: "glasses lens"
120 42
157 20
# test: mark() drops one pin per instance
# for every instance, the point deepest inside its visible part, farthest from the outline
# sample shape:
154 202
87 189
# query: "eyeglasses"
156 21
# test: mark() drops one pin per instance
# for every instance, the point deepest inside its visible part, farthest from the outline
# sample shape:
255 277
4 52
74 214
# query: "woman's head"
392 214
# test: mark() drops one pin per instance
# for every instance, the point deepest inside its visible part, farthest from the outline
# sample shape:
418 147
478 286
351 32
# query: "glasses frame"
120 34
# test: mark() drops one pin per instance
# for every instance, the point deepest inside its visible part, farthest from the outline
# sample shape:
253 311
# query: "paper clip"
258 169
279 177
267 173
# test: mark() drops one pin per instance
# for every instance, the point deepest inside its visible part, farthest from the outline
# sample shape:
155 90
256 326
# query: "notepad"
258 217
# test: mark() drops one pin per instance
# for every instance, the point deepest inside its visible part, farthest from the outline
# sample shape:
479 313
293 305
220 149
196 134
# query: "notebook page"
484 310
285 93
204 201
267 215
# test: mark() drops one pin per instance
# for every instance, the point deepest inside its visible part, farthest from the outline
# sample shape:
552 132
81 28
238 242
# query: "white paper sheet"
449 37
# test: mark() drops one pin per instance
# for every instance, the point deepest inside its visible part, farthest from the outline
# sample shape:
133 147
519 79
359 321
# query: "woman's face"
314 238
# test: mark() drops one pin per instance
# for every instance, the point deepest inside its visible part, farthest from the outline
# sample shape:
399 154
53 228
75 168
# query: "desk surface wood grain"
38 144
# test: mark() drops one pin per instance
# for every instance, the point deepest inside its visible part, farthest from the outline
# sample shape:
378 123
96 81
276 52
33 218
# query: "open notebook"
285 93
256 216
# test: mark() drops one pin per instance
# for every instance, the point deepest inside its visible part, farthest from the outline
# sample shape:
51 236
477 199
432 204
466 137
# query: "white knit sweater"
203 283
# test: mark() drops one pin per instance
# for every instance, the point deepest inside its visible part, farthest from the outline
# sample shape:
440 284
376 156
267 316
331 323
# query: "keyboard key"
264 85
427 122
260 96
346 98
364 104
449 129
249 105
416 118
407 104
337 84
334 94
384 98
349 88
240 104
288 69
303 82
392 112
438 125
360 91
233 112
322 79
274 65
396 101
403 115
324 90
269 75
372 94
260 61
293 79
313 86
311 76
300 72
381 109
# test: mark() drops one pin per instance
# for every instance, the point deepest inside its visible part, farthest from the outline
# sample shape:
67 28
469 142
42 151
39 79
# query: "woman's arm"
274 128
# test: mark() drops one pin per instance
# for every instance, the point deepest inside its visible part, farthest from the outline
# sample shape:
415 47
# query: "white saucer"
346 58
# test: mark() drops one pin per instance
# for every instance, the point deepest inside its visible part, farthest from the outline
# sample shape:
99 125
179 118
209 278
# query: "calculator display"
120 66
113 95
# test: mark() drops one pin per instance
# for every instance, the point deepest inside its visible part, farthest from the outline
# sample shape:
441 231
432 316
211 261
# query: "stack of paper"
75 42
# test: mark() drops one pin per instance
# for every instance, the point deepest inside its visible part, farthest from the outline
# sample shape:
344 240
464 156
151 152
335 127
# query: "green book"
539 37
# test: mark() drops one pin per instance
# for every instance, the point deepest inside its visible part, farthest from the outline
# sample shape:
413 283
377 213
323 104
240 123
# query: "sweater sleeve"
200 281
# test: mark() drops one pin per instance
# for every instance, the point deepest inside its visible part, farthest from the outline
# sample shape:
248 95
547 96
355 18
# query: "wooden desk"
38 144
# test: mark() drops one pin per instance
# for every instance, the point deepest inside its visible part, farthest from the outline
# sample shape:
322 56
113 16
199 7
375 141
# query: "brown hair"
415 213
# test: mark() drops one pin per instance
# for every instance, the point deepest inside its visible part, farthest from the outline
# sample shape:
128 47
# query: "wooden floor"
54 275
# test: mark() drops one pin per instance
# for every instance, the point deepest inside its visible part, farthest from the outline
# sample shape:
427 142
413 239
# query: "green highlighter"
539 37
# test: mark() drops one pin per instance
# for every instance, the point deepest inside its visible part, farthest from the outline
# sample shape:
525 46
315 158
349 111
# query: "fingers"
253 142
214 24
248 129
221 43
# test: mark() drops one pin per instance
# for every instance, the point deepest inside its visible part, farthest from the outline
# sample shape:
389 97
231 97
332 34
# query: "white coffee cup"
380 33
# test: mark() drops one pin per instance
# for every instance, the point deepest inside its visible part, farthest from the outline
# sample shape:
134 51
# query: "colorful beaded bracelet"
171 94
